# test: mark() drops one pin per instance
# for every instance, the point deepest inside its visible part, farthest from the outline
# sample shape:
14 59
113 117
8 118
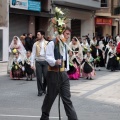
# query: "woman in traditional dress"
17 67
16 45
87 67
27 64
97 54
74 71
113 63
93 43
85 46
76 56
107 48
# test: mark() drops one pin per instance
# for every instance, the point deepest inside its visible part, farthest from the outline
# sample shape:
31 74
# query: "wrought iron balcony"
117 10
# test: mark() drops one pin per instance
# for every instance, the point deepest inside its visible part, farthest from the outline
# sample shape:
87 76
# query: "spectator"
29 41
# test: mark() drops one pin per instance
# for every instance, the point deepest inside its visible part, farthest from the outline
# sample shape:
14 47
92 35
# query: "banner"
33 5
103 21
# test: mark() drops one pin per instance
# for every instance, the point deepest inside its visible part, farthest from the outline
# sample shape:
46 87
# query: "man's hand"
58 62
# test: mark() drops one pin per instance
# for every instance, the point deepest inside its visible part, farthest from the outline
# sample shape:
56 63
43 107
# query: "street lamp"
118 20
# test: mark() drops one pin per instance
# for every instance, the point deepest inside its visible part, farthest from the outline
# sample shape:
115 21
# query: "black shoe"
40 94
87 78
91 79
44 92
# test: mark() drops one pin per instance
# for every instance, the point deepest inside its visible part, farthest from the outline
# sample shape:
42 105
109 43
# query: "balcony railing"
116 10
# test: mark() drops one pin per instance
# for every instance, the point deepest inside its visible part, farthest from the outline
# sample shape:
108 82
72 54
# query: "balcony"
82 4
116 10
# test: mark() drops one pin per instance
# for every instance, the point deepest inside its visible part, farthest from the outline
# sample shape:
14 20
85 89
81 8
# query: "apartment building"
107 18
28 16
81 14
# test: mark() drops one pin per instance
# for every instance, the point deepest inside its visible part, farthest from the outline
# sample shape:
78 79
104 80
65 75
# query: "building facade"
107 18
4 29
30 19
81 14
28 16
21 16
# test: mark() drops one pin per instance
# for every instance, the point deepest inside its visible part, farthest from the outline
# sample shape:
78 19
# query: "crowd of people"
88 55
30 56
27 57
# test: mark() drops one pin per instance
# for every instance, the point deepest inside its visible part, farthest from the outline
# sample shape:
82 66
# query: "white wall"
5 42
5 29
87 27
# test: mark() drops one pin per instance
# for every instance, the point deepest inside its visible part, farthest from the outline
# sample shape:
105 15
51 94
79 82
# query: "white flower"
60 22
56 33
61 13
57 9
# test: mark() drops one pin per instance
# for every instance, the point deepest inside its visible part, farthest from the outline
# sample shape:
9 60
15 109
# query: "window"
119 3
104 3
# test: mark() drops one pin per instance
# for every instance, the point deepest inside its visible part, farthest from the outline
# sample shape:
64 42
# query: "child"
28 70
74 72
98 57
87 66
17 67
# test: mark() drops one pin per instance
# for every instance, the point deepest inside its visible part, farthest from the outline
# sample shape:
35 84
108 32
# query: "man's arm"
50 54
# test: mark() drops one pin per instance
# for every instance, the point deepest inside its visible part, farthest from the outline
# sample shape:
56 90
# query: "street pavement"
97 99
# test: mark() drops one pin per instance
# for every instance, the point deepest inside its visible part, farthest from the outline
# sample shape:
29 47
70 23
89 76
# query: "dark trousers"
41 72
52 91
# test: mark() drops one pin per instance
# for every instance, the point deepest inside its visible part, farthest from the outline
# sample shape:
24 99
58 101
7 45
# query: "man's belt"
55 69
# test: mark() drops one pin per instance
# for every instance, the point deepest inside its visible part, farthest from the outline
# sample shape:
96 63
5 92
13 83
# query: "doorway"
99 31
76 27
114 31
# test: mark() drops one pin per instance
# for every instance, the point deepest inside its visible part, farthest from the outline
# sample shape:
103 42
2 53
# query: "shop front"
104 25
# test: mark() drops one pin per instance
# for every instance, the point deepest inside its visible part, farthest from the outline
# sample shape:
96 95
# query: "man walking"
38 54
57 79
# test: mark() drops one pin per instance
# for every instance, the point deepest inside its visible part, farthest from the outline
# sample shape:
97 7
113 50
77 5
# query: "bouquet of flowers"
28 61
14 51
85 49
118 58
59 21
97 59
15 66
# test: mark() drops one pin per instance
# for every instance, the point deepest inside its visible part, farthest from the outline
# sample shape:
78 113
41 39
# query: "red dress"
118 49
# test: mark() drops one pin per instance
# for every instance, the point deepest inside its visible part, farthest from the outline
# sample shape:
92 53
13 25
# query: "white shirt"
50 58
42 53
97 53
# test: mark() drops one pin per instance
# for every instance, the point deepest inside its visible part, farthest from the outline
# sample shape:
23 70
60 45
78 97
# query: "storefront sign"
33 5
103 21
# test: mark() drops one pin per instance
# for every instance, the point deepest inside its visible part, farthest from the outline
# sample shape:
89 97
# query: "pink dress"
91 74
76 74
